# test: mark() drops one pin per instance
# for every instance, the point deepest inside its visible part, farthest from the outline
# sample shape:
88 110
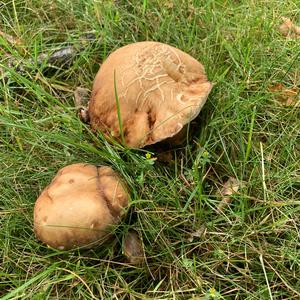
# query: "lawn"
249 250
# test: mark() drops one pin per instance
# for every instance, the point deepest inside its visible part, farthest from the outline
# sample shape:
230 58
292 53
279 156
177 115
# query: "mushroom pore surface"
79 206
160 89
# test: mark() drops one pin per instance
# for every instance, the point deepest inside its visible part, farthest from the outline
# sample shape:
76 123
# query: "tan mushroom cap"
160 89
79 206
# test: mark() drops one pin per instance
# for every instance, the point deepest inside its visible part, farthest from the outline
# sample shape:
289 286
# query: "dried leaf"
289 29
198 233
81 97
10 39
230 187
59 58
133 248
169 4
286 96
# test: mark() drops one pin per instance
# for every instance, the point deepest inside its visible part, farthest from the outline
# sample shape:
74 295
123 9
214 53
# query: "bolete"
79 206
149 90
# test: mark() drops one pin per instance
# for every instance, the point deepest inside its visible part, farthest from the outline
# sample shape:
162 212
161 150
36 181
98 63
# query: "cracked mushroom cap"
79 206
160 89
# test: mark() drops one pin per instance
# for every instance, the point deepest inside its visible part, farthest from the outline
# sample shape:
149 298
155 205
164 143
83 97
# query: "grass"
251 250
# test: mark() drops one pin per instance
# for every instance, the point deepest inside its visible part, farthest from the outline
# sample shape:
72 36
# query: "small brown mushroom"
159 89
79 206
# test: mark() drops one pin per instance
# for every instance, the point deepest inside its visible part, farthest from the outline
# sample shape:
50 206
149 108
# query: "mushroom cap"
160 89
79 206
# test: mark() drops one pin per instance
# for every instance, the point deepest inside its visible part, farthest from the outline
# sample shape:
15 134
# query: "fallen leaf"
133 248
198 233
289 29
230 187
63 56
81 97
286 96
169 4
12 40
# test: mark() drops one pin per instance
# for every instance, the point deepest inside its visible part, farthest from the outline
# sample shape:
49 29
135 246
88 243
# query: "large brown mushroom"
159 90
79 206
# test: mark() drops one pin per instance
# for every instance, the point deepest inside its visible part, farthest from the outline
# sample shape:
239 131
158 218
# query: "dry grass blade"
230 187
289 29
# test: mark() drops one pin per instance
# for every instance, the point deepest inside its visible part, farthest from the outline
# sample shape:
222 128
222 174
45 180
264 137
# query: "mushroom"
79 207
149 90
